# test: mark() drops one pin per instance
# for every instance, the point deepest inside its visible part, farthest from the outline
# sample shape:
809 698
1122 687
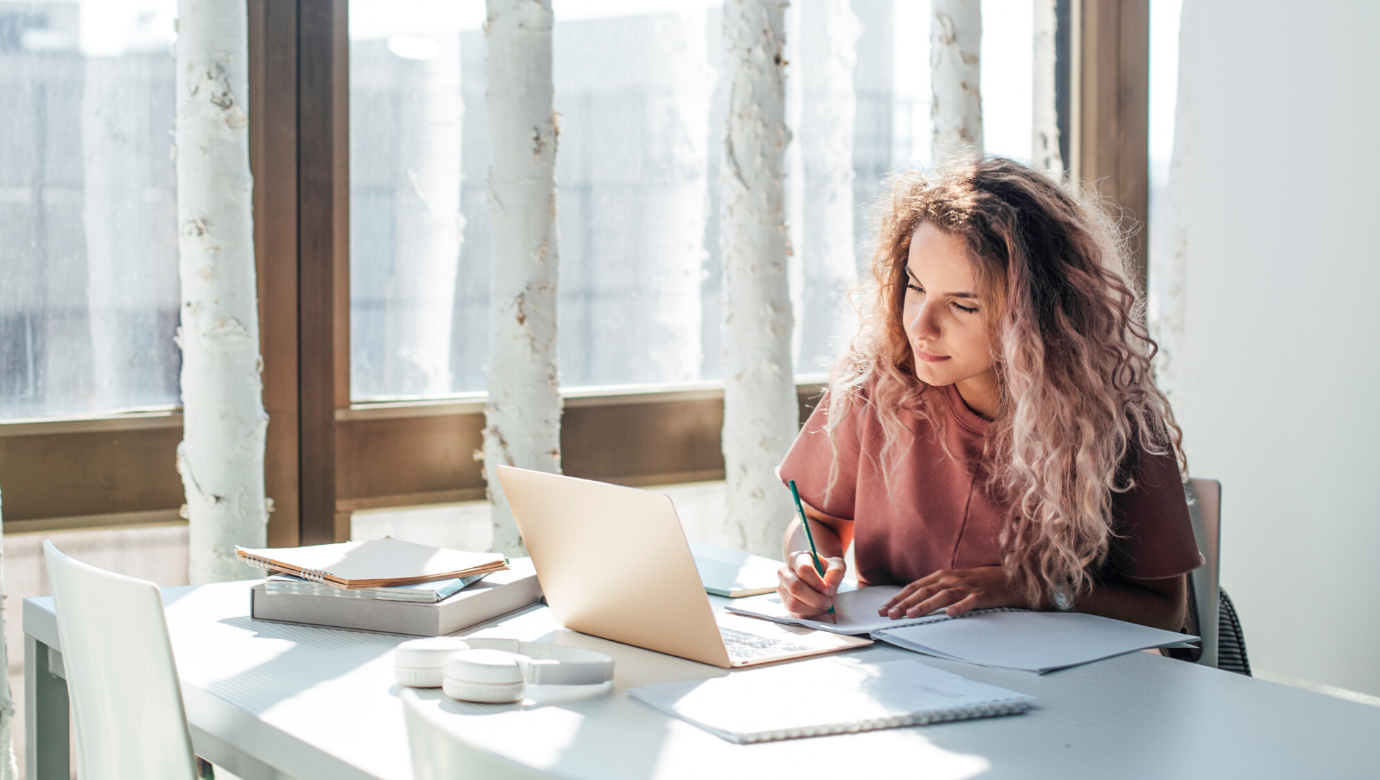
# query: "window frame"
326 457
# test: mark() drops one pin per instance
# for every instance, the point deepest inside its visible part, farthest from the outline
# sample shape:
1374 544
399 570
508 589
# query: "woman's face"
946 323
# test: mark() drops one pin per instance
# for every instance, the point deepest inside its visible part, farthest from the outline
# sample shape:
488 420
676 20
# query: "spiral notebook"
855 611
372 564
828 696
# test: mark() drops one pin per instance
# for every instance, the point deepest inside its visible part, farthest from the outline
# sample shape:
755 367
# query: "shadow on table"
331 653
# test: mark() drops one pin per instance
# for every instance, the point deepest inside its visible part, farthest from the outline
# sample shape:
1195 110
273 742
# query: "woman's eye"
963 308
915 287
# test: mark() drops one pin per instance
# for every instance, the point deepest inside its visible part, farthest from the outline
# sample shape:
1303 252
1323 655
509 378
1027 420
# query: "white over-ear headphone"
495 670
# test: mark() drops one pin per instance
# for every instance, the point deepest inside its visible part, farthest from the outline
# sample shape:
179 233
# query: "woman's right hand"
804 593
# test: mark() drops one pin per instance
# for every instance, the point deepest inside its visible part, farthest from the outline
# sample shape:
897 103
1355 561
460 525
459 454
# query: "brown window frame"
327 458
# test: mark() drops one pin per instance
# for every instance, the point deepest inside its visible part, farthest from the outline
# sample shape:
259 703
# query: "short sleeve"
811 457
1154 533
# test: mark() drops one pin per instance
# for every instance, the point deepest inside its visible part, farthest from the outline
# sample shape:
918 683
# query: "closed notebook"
372 564
421 592
827 696
734 574
497 594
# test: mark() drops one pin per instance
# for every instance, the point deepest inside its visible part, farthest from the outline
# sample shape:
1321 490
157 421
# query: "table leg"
46 712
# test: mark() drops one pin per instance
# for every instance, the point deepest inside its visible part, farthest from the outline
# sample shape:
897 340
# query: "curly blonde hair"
1071 355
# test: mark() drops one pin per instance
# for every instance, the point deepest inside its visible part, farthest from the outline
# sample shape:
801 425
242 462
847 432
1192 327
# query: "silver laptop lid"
614 562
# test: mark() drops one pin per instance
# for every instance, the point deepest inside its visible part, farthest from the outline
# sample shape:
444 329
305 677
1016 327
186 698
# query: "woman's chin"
927 373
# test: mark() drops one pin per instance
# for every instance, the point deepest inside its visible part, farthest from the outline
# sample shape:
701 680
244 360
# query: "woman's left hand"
958 590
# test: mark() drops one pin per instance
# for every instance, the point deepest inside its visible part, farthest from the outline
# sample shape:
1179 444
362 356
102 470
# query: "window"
641 95
88 208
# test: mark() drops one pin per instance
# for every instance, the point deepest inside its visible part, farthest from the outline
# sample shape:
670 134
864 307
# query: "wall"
1282 324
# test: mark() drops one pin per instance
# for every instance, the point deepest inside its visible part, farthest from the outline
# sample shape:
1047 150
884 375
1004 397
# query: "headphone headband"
553 664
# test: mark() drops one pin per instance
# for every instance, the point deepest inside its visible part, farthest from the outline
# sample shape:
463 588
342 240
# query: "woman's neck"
981 393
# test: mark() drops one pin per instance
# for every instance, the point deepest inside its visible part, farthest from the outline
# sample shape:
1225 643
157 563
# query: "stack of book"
389 586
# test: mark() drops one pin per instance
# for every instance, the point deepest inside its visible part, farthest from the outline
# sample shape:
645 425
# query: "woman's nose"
921 326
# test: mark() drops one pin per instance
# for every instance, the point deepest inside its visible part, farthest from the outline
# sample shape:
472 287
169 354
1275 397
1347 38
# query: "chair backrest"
120 674
439 753
1206 511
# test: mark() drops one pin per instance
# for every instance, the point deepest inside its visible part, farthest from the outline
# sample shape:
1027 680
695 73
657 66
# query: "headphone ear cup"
486 676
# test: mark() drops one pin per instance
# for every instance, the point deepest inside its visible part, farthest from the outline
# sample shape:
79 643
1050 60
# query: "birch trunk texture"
794 55
1044 142
826 134
221 457
9 767
428 223
760 410
523 414
955 43
1169 278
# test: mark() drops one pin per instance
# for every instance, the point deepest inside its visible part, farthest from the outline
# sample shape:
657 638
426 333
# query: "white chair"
439 753
1206 512
126 701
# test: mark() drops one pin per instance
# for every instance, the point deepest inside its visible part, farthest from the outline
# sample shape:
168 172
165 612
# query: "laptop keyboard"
741 644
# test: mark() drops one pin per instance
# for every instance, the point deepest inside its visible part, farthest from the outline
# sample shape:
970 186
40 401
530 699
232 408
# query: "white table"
268 700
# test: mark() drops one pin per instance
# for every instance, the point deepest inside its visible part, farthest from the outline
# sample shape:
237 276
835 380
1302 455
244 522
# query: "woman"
993 436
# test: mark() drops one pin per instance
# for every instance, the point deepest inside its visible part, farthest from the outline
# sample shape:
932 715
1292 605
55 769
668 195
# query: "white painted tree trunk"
523 414
794 73
1044 143
9 769
826 132
760 411
428 223
955 43
221 457
1169 277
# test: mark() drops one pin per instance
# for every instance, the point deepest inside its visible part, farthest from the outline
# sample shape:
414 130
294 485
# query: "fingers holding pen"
803 591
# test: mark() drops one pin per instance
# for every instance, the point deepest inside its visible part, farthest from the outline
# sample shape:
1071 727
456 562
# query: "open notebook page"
1029 641
855 611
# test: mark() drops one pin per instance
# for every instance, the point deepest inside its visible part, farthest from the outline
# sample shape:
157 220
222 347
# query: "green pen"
809 537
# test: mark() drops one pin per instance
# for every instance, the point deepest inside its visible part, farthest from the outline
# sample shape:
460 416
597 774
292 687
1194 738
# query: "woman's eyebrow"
971 296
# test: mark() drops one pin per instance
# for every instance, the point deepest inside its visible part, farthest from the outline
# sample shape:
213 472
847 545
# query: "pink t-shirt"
936 515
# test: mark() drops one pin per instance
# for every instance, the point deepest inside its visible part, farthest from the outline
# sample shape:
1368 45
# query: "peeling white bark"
795 167
760 411
221 457
523 414
828 250
426 209
1044 143
1172 285
955 43
9 769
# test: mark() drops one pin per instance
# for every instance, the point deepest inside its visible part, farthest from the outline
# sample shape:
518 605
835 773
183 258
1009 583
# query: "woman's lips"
928 358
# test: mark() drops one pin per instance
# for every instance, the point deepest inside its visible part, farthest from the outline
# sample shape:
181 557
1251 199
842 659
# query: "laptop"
613 562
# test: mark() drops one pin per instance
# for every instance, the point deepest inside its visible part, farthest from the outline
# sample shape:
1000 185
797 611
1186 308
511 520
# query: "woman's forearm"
1156 603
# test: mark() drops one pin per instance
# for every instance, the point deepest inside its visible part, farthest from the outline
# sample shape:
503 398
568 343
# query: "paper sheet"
856 611
1029 641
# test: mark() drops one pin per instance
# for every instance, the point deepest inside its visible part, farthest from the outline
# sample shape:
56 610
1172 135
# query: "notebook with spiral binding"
828 696
372 564
856 611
